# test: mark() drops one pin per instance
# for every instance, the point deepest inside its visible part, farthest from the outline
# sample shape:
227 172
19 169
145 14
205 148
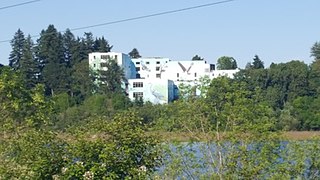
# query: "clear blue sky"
276 30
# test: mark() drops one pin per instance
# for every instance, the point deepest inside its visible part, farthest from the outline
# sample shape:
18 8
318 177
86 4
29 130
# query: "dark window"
158 62
94 65
147 62
157 68
158 75
137 62
137 94
138 76
195 74
177 74
137 84
115 57
103 65
212 67
137 68
94 57
105 57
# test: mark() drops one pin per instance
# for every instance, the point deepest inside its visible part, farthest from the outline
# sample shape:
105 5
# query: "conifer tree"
17 44
134 53
111 79
28 65
102 45
50 53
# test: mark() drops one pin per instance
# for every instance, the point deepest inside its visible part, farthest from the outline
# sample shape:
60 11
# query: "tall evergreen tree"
102 45
88 43
17 44
51 56
69 43
111 79
134 53
28 65
257 63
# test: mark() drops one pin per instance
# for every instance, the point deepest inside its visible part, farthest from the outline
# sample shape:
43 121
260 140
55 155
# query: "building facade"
157 79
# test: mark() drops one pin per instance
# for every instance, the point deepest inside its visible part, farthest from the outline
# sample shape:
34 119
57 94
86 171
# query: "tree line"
57 124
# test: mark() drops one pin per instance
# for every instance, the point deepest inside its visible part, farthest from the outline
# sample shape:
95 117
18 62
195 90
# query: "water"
263 160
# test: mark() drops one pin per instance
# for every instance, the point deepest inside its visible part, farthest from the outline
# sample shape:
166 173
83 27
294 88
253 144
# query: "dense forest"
58 124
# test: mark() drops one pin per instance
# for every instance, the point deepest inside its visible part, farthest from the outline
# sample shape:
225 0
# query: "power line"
141 17
20 4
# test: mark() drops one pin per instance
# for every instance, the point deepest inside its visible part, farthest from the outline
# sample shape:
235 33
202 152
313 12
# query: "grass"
186 136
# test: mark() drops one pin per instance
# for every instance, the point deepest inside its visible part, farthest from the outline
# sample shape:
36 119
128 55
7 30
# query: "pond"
263 160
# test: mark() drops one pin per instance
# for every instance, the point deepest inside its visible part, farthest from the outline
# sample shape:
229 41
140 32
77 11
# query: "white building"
156 79
150 67
97 61
156 91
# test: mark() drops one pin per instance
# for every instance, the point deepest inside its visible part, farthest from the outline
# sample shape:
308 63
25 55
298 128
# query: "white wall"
150 67
123 60
156 91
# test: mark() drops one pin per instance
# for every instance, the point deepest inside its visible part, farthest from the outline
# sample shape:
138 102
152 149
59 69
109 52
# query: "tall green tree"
226 63
88 43
51 56
69 45
110 80
134 53
82 83
102 45
29 67
314 77
288 81
17 44
257 63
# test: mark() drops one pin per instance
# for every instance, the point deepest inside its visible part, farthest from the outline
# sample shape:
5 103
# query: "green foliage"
110 81
197 58
315 51
134 53
125 151
19 106
306 111
32 154
50 54
29 67
226 63
256 64
16 54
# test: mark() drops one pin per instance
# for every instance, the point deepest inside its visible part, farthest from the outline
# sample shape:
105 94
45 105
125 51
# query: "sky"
276 30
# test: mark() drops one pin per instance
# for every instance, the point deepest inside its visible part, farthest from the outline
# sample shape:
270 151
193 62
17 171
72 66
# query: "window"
212 67
137 84
177 74
158 62
195 74
158 75
137 68
115 57
157 68
137 94
103 65
138 76
147 62
105 57
94 57
94 65
137 62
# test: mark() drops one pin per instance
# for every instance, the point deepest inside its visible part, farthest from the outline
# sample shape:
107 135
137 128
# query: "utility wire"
140 17
20 4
